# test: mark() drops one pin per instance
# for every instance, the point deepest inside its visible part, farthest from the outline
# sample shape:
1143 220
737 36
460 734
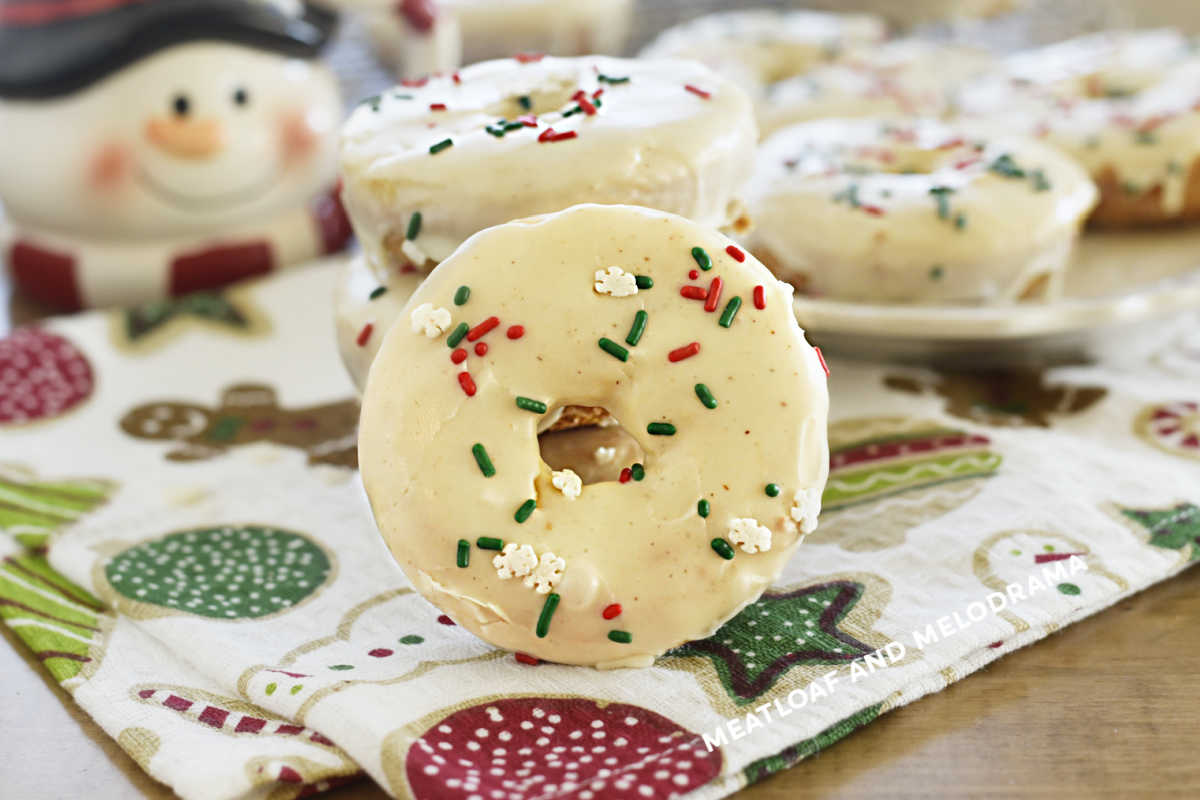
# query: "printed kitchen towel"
217 598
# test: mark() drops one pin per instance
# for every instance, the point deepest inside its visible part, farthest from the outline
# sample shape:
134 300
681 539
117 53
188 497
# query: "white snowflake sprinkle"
747 534
413 253
567 482
616 282
548 572
429 320
805 507
515 561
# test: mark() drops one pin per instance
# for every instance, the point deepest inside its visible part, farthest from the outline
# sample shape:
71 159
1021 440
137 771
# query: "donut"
1125 105
427 165
917 211
413 37
904 77
594 305
760 47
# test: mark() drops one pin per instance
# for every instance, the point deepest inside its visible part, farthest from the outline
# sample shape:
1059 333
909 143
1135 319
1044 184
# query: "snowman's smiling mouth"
205 202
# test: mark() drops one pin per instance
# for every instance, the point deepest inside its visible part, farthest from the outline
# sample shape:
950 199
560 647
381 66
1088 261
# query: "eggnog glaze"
729 408
915 211
510 138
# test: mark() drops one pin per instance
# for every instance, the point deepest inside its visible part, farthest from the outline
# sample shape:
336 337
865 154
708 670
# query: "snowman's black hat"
50 48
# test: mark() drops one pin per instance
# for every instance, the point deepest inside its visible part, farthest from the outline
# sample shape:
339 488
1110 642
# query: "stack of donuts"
608 248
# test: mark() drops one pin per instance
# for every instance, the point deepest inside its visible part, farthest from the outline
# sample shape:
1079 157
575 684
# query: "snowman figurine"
150 148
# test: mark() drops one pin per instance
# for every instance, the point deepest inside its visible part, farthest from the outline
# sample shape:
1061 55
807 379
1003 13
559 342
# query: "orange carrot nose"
186 138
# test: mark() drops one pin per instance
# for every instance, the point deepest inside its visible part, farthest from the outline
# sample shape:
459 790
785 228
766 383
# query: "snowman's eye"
241 97
181 105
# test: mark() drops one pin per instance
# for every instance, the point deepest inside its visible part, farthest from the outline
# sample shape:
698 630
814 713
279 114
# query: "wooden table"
1107 708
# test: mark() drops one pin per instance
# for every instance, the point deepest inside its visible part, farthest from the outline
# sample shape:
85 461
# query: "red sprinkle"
420 14
529 58
611 611
680 353
737 254
525 658
626 475
693 292
584 103
966 162
694 274
760 298
482 328
437 106
697 91
365 334
481 348
528 120
821 358
458 356
455 77
467 383
874 211
549 135
597 93
714 294
950 144
516 331
415 83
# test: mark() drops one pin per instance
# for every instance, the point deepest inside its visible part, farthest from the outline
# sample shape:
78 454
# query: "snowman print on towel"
159 147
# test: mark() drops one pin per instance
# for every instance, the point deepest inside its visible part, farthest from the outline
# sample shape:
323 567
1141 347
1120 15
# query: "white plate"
1125 291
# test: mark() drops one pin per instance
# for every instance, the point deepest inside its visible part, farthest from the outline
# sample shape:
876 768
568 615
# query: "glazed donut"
595 305
413 37
904 77
918 211
1126 105
651 140
762 46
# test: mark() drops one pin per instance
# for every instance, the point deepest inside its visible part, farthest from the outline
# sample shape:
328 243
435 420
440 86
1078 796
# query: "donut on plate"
595 305
1126 105
904 77
915 211
428 164
762 46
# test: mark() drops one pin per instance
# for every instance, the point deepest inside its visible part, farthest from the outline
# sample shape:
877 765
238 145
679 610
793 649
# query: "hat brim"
62 57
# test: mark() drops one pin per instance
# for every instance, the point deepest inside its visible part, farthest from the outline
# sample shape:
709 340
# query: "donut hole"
589 441
550 95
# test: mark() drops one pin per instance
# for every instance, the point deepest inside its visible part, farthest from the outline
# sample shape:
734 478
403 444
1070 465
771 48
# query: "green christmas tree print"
141 321
779 631
232 572
1176 528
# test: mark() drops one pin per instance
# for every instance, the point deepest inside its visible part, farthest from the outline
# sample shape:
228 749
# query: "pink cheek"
297 137
110 168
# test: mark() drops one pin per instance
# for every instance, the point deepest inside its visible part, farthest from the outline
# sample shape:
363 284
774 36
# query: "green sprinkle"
543 623
296 689
1004 165
529 404
702 258
638 472
772 489
402 96
525 510
525 102
1040 182
373 101
960 221
270 689
942 193
613 349
644 281
660 429
1145 137
513 126
637 329
411 638
723 549
497 132
620 637
570 112
702 508
464 553
489 543
848 195
706 396
731 309
434 149
414 226
457 334
936 272
461 295
483 460
377 292
610 79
